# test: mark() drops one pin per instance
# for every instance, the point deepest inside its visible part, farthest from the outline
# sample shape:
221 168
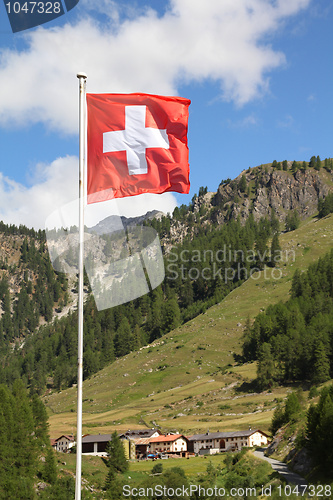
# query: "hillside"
210 248
188 379
283 187
171 358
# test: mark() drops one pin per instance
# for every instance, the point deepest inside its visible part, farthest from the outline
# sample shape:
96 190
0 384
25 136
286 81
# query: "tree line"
24 440
212 260
48 356
293 341
314 426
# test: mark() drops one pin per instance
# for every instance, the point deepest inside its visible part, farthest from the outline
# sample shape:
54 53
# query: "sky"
258 73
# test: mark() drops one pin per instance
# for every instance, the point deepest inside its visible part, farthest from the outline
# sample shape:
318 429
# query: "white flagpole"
82 134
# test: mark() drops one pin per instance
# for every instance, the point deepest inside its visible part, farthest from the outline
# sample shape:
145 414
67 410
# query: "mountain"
278 187
207 247
118 223
191 379
175 358
269 188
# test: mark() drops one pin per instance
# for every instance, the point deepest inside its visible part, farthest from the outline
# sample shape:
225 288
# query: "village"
142 444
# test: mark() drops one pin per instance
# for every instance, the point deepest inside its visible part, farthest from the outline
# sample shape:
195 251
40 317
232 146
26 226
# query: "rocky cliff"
267 188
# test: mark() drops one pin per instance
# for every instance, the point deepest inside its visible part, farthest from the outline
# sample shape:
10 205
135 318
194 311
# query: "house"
140 439
142 447
97 444
64 443
216 442
169 444
140 433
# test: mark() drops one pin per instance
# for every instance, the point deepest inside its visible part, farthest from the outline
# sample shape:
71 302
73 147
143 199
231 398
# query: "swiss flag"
137 143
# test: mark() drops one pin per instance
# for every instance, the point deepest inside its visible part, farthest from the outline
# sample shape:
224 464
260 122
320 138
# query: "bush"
313 392
157 469
292 221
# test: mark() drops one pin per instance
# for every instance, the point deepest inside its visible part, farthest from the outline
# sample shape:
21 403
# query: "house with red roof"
169 444
64 443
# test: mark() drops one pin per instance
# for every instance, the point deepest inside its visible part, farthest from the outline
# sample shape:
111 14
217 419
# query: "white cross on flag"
137 143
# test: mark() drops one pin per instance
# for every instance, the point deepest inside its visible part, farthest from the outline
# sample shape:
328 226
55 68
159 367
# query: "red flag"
137 143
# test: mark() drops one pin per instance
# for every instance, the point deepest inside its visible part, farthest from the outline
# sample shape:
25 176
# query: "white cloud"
246 122
224 41
191 41
32 205
28 206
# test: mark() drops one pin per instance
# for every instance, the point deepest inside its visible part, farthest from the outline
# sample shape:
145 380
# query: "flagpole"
82 133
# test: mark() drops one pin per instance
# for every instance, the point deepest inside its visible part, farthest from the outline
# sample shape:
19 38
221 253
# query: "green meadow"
188 380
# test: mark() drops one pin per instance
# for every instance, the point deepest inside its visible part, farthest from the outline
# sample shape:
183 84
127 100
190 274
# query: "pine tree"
275 250
266 367
261 250
321 364
292 407
49 473
294 167
320 431
325 205
123 339
292 221
171 315
6 435
117 461
278 419
40 421
275 223
136 338
242 184
18 444
113 486
312 162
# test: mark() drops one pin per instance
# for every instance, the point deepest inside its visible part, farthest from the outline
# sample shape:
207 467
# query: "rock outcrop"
267 189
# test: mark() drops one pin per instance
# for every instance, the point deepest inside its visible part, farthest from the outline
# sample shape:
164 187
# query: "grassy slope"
180 381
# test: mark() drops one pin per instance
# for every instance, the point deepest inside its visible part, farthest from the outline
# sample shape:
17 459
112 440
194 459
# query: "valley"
188 380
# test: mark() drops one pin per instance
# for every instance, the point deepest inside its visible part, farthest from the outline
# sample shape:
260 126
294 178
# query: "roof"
223 435
142 441
168 437
139 433
97 438
102 438
70 438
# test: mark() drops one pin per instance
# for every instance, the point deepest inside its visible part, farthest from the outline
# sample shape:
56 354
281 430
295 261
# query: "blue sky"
258 73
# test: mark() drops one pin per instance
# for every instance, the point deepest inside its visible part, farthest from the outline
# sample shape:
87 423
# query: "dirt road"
281 468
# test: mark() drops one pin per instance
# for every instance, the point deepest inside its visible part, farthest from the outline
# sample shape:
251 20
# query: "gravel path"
281 468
